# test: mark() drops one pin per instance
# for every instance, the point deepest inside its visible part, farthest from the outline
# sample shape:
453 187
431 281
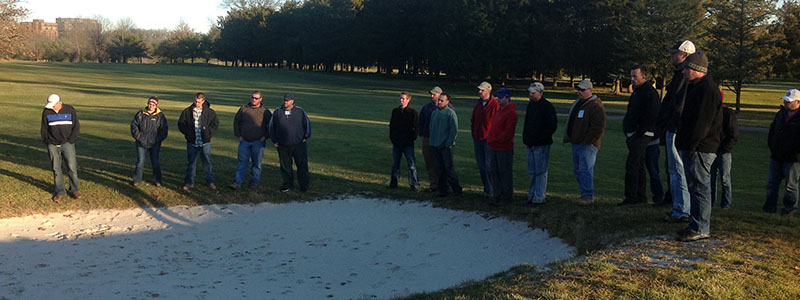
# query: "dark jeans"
141 152
482 158
698 179
249 152
205 157
59 154
782 171
298 153
651 157
502 175
721 169
443 162
635 186
397 153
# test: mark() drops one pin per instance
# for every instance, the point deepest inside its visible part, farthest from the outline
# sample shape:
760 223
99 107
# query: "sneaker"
158 184
414 189
212 186
77 195
585 201
682 219
187 187
234 186
391 186
285 190
135 184
58 198
691 236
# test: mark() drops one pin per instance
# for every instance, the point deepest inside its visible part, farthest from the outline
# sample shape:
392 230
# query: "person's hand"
276 145
240 139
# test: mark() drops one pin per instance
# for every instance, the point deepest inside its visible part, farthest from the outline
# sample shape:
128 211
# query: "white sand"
350 248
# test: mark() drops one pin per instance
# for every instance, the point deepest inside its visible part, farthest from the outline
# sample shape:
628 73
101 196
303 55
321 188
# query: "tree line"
746 40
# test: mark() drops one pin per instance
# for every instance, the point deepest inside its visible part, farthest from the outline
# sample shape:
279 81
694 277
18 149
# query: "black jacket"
783 141
730 130
643 107
700 128
62 127
208 123
669 114
403 126
540 123
149 129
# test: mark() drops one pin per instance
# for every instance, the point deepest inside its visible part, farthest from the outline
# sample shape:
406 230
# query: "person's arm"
135 126
597 125
452 130
163 130
306 126
44 126
76 127
236 127
213 123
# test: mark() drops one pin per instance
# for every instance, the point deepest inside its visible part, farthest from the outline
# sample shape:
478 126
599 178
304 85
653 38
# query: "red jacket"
504 126
482 117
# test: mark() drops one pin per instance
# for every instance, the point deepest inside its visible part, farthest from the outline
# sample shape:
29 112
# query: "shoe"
135 184
682 232
536 203
234 186
77 195
187 187
432 189
682 219
787 214
285 190
58 198
391 186
212 186
626 202
691 236
585 201
158 184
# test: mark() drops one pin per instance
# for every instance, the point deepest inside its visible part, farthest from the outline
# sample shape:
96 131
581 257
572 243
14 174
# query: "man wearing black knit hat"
698 138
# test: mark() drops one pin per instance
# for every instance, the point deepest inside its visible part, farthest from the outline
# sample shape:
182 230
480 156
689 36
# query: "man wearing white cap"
537 134
60 129
784 147
482 115
669 116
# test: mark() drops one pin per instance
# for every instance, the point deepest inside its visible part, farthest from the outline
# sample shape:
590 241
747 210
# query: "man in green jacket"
444 127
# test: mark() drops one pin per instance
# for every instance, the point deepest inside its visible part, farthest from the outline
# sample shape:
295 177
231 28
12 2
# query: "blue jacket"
289 128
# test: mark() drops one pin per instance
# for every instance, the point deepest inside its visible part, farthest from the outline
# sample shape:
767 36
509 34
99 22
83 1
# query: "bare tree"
10 14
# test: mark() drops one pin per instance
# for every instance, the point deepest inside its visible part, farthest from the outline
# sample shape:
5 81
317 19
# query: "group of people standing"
288 127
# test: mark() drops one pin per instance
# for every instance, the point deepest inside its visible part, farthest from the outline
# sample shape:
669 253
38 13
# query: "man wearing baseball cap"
537 135
424 127
482 115
697 140
60 129
149 128
784 147
669 116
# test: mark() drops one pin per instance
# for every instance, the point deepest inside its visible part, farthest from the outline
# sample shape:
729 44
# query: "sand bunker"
349 248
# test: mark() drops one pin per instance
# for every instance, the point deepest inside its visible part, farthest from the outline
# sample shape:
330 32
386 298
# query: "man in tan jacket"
585 127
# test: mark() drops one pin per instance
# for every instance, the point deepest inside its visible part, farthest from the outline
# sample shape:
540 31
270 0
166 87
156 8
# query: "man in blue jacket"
289 129
148 128
60 129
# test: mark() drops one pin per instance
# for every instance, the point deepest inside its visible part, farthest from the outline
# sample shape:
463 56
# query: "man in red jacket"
501 143
482 116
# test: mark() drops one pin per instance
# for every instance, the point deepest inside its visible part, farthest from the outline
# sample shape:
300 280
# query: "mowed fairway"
350 153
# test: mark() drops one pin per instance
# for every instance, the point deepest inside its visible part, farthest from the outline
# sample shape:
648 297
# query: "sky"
146 14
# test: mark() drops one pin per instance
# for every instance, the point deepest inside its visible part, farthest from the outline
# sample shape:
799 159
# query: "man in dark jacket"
423 127
60 129
402 133
198 122
722 164
250 125
585 128
784 147
698 139
149 128
669 116
289 129
638 127
537 135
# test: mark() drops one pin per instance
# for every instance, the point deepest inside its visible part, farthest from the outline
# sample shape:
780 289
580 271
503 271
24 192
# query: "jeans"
698 173
651 157
635 186
538 157
66 153
141 152
483 159
397 153
721 168
681 205
298 153
433 178
503 175
583 159
789 172
191 155
249 152
443 161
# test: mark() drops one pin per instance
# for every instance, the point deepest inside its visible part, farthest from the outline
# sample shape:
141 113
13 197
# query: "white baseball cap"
791 95
52 100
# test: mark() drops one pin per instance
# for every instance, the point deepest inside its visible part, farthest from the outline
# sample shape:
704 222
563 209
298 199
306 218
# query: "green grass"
752 256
